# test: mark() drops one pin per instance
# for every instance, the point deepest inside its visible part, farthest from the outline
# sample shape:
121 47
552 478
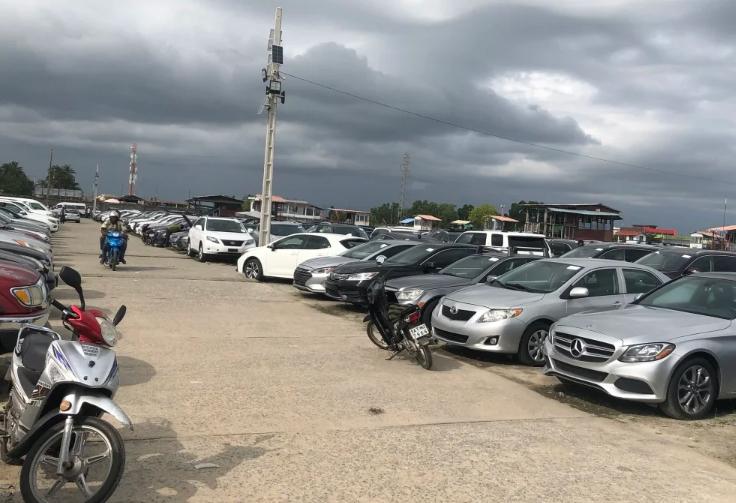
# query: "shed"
220 206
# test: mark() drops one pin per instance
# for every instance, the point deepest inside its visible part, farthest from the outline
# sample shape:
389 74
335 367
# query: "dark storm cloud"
182 79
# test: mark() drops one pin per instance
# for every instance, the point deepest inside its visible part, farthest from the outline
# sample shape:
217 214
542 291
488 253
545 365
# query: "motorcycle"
113 245
60 388
399 327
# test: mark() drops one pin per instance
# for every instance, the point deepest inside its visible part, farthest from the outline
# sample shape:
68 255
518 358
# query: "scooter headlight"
109 333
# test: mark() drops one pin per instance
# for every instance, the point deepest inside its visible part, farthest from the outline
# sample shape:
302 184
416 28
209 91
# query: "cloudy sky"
647 82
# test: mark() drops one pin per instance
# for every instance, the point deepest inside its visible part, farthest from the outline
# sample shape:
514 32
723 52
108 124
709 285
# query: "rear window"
472 238
666 260
532 244
352 243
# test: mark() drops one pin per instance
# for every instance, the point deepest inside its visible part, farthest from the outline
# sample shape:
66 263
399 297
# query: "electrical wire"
501 137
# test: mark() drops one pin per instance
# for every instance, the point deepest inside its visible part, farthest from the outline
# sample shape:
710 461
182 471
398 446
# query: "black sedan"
612 251
350 281
680 261
425 290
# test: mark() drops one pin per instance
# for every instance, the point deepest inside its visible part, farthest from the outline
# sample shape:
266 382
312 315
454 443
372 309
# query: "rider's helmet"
114 216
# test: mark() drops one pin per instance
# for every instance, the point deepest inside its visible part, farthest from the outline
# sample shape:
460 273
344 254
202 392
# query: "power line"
499 136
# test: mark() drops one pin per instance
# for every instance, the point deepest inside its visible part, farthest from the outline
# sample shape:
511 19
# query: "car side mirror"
578 292
689 271
491 278
381 259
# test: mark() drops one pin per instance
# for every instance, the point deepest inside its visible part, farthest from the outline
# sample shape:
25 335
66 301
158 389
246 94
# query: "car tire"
201 255
530 347
692 390
253 269
429 307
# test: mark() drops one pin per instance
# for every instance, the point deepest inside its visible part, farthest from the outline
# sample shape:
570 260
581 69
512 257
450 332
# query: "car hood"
320 262
428 281
360 266
494 297
230 236
636 324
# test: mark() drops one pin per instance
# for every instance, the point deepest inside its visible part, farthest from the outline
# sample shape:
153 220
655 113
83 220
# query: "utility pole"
405 164
48 178
274 93
97 181
723 229
133 169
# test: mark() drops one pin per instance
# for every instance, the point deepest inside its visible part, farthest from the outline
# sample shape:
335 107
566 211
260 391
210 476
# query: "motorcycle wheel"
424 357
107 449
375 336
114 258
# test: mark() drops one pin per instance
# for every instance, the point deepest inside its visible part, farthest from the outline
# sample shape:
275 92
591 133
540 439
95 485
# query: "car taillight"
413 317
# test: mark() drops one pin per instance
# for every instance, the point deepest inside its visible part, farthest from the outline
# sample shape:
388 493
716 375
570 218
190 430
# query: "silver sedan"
513 314
675 347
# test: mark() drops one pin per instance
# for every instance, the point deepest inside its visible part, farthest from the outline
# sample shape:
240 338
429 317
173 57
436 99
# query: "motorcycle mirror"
119 315
72 278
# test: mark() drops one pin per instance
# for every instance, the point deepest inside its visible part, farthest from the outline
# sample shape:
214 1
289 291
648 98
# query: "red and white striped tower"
133 169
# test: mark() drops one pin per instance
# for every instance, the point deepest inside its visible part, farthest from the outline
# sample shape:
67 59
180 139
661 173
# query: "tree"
386 214
14 181
518 212
463 213
480 214
61 177
444 211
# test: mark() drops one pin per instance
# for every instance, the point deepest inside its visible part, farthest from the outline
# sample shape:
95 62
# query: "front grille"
591 375
458 315
228 242
338 277
593 351
301 276
462 339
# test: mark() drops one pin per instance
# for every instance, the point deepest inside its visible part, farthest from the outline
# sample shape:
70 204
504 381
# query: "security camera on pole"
274 94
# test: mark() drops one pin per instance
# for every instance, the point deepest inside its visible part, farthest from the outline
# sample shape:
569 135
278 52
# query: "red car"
24 299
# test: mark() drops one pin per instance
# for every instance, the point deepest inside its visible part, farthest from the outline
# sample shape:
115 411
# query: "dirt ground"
285 399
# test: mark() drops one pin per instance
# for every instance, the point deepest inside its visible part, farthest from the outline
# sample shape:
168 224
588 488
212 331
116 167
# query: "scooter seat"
33 350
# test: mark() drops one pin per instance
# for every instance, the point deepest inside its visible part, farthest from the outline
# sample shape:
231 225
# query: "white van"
80 207
522 243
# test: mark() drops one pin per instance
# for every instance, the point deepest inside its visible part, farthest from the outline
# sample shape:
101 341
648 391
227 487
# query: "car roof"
596 262
508 233
716 275
681 250
605 245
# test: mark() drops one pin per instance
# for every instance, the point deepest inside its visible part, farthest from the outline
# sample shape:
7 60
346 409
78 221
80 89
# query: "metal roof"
591 213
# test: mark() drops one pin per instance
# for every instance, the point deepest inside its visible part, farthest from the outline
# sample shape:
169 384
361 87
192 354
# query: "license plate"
419 331
232 250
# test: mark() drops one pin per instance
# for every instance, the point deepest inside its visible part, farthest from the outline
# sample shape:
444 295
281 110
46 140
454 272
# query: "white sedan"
280 258
210 236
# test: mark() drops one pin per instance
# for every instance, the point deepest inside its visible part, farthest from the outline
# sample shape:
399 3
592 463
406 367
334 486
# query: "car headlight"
647 352
323 270
213 239
248 242
29 296
362 276
499 314
409 295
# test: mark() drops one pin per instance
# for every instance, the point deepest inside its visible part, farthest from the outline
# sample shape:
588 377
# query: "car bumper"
496 337
306 281
211 248
11 323
347 291
641 382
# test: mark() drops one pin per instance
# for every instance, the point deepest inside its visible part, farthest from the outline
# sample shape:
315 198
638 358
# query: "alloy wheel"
536 344
695 390
251 270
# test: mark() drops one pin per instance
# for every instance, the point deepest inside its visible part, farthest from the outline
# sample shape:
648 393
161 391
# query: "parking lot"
244 391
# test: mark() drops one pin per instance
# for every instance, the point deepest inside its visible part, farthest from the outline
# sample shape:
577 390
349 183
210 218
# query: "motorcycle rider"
113 223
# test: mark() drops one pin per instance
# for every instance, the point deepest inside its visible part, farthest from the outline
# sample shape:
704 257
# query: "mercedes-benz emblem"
577 348
453 310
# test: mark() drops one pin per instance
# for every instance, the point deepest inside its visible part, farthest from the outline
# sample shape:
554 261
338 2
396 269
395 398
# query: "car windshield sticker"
687 256
430 249
493 259
573 268
599 249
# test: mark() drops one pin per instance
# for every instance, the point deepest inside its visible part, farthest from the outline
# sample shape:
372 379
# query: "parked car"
513 314
72 215
612 251
311 275
406 233
23 300
280 258
18 222
559 247
23 239
211 236
426 290
678 261
31 263
80 208
515 242
21 210
672 347
349 282
332 228
179 240
280 230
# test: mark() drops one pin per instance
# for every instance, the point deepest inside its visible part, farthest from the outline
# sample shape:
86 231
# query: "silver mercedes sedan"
675 347
513 313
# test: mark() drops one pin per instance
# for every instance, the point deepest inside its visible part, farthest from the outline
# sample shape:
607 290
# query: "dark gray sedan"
426 290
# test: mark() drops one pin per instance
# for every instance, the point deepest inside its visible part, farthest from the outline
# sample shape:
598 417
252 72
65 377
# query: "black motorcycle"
396 328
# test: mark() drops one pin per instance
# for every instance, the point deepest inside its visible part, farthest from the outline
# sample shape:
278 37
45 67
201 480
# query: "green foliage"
61 177
463 213
480 215
13 180
518 211
386 214
444 211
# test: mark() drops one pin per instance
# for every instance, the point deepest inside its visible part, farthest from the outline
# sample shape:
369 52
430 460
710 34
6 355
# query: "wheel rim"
376 337
536 344
92 457
251 269
201 252
695 390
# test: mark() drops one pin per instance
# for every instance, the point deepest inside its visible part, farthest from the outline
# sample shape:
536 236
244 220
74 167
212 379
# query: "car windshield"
412 255
349 229
217 225
540 276
696 294
587 251
366 249
36 206
470 267
285 230
669 260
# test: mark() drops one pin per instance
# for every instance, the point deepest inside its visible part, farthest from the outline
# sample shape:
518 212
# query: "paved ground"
290 401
